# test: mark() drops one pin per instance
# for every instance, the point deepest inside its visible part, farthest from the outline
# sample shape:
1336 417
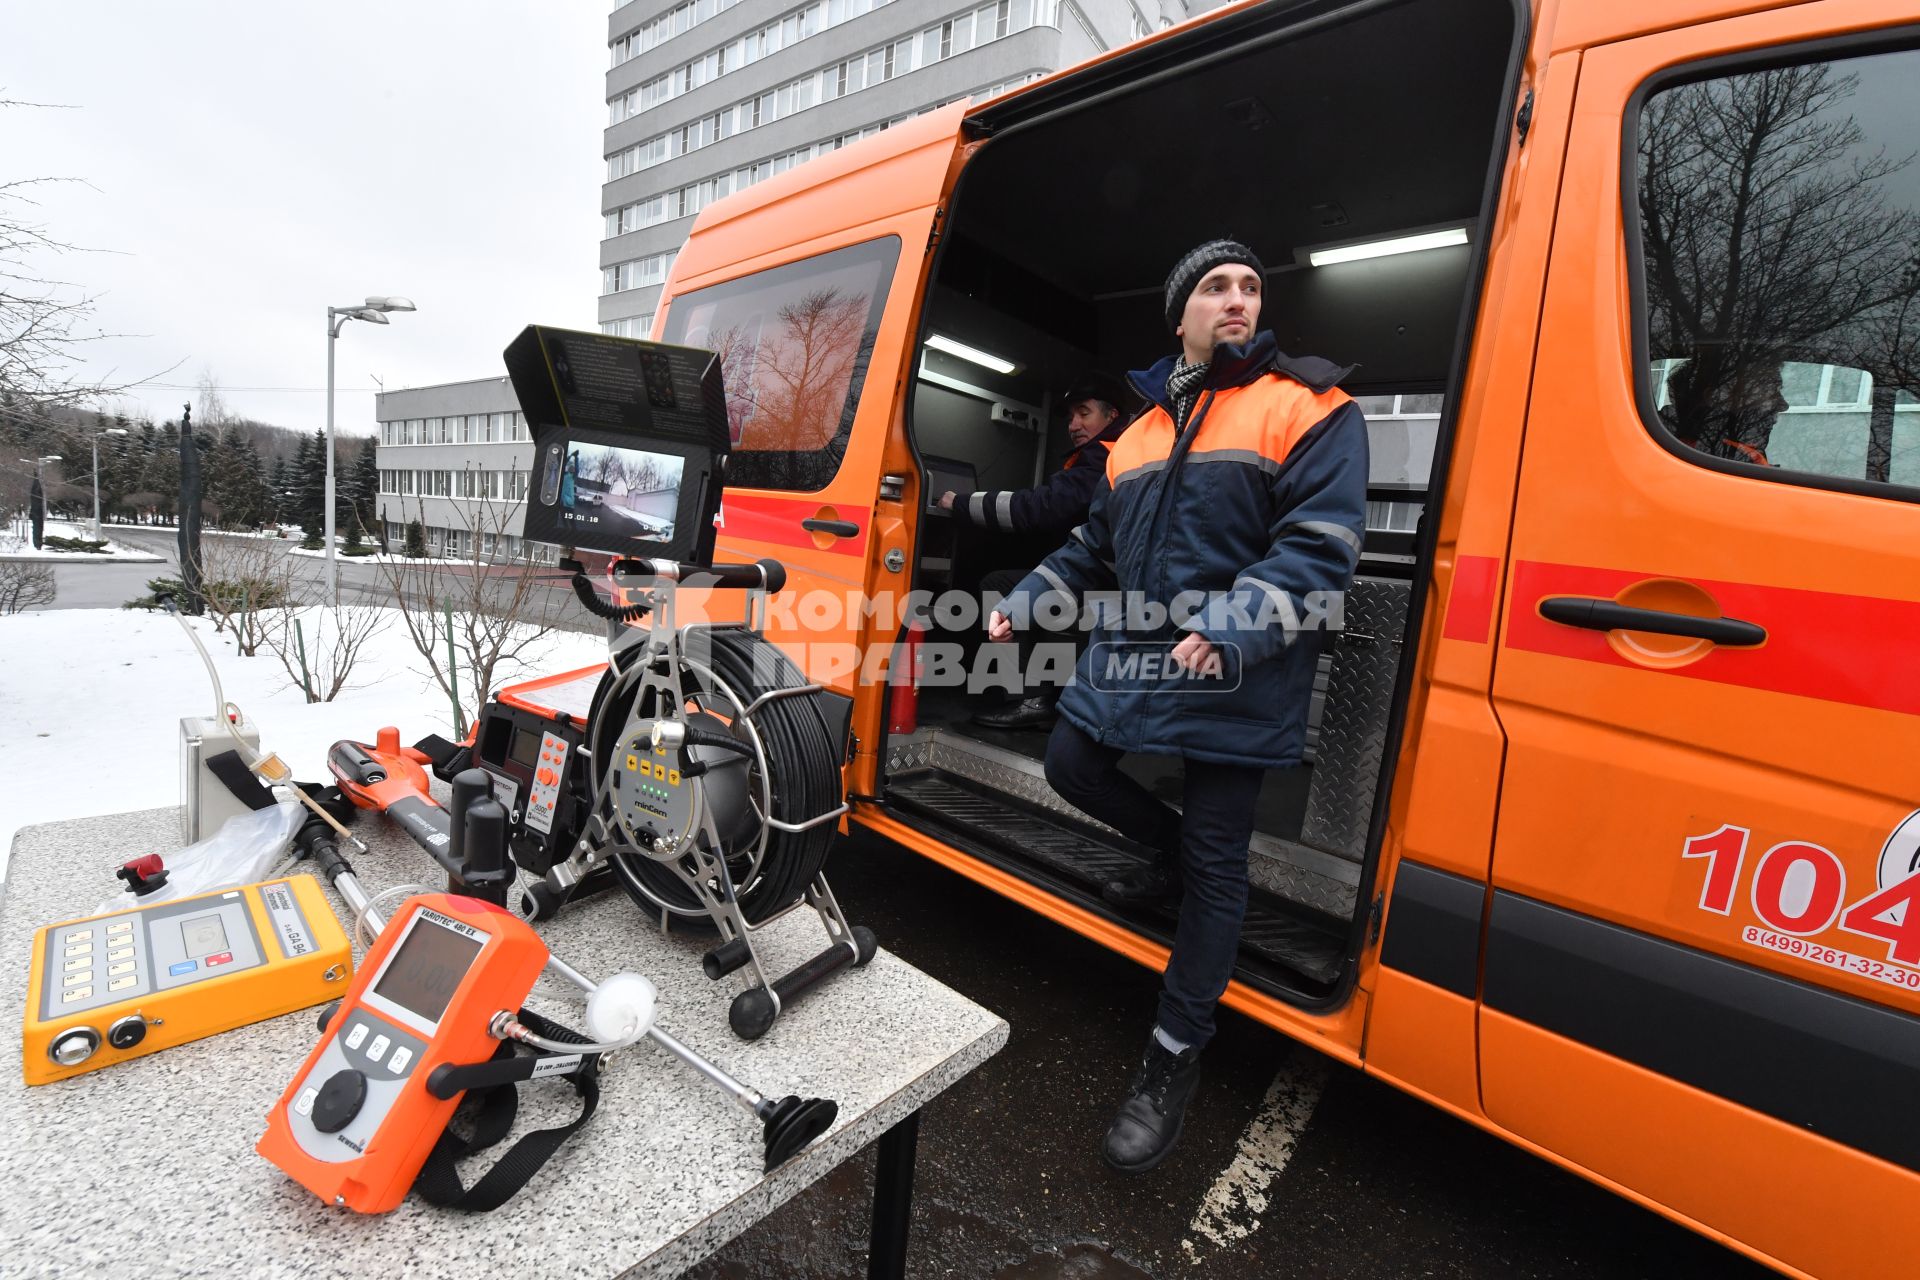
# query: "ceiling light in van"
1383 248
985 359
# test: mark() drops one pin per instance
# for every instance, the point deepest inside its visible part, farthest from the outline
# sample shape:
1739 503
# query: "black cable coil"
805 781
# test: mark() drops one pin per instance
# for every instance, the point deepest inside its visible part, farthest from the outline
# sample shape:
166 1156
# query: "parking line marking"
1231 1209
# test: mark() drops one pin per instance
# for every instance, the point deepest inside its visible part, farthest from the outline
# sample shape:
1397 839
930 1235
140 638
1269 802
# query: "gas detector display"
204 936
427 969
629 441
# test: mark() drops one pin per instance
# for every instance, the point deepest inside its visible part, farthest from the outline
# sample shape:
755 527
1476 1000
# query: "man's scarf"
1183 388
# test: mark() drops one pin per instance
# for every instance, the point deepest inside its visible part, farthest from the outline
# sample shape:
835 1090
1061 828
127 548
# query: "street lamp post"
373 311
110 431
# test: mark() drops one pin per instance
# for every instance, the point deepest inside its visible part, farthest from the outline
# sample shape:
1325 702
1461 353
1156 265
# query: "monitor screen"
629 439
526 747
619 493
426 970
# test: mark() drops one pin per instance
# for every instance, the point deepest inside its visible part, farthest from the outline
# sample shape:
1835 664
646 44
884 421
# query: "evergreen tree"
160 474
141 446
366 491
310 490
281 504
416 540
259 495
119 465
234 483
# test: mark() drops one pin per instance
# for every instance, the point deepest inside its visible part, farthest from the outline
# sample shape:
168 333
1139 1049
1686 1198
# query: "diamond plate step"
1272 932
1311 878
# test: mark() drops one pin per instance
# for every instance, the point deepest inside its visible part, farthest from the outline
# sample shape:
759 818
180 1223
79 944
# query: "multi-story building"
455 457
707 97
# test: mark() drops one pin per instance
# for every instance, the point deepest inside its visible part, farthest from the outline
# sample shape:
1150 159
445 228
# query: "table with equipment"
146 1167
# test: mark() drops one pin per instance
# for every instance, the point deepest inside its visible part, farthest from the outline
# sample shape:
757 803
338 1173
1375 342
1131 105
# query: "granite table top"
147 1168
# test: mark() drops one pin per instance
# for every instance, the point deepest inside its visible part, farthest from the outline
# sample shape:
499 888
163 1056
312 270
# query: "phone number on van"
1832 957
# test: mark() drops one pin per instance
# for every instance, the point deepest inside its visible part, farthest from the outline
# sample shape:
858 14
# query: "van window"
1402 431
793 342
1779 271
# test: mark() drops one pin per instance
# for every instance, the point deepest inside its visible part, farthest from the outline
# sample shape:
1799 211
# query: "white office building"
455 457
705 98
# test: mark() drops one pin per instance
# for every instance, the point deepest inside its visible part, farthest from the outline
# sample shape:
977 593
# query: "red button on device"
225 957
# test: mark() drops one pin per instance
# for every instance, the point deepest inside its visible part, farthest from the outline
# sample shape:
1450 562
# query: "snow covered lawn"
92 700
16 543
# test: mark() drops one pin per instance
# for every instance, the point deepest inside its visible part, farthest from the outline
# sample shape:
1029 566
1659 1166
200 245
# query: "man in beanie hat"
1095 418
1229 520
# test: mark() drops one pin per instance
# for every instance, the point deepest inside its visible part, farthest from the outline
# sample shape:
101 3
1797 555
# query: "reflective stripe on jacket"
1244 526
1054 505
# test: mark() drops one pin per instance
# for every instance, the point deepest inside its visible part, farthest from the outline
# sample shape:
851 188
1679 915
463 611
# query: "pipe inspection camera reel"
705 780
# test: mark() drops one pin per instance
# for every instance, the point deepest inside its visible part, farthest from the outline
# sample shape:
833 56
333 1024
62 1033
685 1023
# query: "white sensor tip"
621 1008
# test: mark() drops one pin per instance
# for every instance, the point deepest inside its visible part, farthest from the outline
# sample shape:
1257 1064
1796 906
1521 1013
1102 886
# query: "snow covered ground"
92 700
16 543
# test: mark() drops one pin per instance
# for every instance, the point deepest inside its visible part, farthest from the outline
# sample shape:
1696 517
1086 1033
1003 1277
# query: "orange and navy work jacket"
1242 524
1057 503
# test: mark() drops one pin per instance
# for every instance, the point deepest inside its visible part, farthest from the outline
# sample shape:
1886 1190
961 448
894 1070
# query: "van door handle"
1605 615
838 528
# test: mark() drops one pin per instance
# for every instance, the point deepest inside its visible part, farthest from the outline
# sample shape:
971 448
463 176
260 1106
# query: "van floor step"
1080 859
1320 881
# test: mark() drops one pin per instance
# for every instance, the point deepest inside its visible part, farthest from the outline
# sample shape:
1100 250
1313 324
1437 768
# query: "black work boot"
1156 882
1150 1120
1036 712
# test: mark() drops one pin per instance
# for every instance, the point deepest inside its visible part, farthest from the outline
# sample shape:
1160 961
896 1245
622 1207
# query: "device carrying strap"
447 758
255 794
237 778
439 1182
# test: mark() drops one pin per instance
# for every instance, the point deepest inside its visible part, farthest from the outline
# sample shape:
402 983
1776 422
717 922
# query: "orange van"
1607 837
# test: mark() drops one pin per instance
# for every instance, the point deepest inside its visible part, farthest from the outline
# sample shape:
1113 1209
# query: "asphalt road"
108 584
1290 1165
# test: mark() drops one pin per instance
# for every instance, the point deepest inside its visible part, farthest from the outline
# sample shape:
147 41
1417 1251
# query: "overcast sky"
246 165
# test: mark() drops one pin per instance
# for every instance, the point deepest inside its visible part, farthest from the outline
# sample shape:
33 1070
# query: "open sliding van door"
806 284
1701 976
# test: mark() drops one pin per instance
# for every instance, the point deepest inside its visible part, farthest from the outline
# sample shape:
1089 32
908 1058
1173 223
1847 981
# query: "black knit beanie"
1191 269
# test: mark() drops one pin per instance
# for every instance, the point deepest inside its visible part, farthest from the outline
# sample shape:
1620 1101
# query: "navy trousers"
1210 840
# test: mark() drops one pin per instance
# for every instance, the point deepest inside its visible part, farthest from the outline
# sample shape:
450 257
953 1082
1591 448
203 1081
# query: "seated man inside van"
1243 489
1730 412
1045 513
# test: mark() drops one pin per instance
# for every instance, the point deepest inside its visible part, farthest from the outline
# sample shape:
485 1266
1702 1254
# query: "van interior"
1297 129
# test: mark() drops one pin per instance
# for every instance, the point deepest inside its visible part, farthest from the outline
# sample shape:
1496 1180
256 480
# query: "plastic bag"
245 849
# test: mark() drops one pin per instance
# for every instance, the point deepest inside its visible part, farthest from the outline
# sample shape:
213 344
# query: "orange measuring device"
364 1111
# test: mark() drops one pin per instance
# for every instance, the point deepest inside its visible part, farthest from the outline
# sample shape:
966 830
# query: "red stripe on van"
1470 599
759 518
1820 644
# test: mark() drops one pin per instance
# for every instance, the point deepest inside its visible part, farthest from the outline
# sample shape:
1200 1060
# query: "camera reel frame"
684 831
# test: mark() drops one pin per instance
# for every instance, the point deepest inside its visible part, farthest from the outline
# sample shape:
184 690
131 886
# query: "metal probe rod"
746 1097
356 898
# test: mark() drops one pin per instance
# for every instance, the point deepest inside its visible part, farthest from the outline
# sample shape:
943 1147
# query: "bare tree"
210 406
251 586
1769 237
44 321
320 661
500 606
806 367
24 585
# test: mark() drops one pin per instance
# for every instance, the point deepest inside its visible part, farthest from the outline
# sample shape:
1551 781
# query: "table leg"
893 1200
